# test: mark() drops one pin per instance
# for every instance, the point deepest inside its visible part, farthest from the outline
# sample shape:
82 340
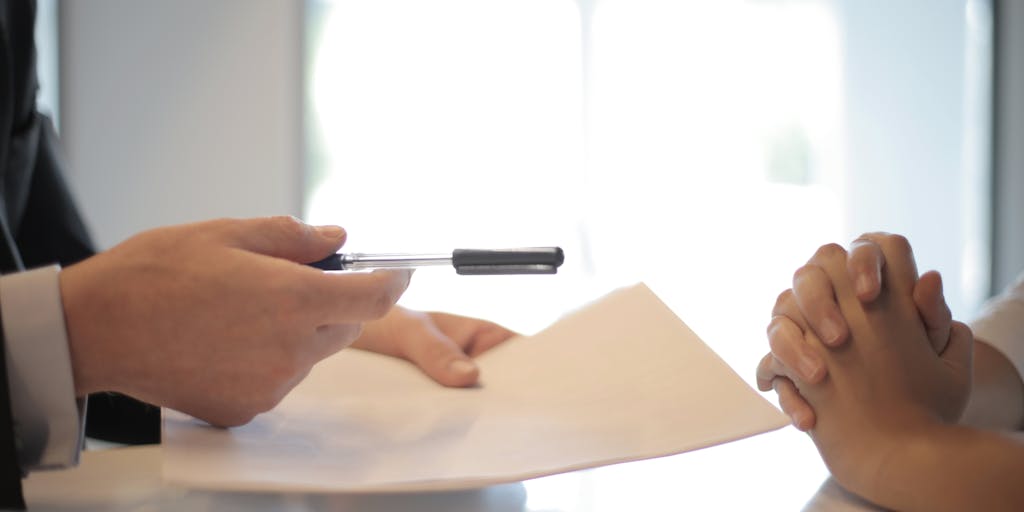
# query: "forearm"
952 468
997 394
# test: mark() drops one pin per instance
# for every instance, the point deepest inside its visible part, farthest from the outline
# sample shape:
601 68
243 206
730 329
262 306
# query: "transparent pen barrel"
370 261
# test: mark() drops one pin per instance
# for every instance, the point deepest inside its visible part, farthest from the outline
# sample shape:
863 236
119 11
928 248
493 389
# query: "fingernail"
829 331
461 367
864 284
331 231
799 421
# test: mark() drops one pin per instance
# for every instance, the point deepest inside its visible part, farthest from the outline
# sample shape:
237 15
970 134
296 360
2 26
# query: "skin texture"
442 345
888 398
997 398
221 319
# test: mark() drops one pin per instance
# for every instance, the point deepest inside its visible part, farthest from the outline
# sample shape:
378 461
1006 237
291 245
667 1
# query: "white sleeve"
1001 324
48 420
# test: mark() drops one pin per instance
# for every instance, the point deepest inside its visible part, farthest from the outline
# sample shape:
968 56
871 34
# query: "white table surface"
775 471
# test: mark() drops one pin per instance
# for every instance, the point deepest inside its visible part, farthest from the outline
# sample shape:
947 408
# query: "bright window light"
451 123
704 147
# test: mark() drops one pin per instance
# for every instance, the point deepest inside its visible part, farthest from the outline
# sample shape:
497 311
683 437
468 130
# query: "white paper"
621 379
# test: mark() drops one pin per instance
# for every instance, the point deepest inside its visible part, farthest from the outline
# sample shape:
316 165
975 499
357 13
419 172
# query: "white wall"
1009 152
917 128
175 111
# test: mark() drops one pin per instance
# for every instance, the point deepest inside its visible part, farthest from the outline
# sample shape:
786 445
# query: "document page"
620 379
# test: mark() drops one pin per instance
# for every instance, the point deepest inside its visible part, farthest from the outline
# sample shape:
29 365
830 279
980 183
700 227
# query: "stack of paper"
621 379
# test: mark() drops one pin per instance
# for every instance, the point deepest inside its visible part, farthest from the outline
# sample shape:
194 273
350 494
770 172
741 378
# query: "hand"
440 344
217 319
887 385
811 306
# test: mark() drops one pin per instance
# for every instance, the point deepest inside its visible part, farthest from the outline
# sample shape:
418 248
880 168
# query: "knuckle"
385 298
782 301
805 273
873 237
777 337
868 237
773 325
864 254
830 251
897 243
221 222
776 341
785 350
380 304
800 272
289 225
215 229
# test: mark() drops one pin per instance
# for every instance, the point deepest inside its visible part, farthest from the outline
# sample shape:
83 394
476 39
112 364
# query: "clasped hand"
865 354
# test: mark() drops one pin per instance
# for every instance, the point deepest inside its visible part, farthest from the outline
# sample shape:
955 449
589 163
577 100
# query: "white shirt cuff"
48 420
1001 324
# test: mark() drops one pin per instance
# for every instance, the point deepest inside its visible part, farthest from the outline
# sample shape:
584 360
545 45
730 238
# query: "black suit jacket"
40 225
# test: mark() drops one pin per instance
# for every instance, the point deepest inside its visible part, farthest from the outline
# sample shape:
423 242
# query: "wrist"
903 462
863 449
86 371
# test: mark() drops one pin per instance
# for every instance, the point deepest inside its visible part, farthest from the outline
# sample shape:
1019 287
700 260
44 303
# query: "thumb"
933 310
959 352
442 359
286 237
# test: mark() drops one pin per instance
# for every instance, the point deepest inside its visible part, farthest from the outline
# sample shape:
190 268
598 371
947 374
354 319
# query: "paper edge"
450 485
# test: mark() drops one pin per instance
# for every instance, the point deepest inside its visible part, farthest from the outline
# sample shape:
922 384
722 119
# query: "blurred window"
704 147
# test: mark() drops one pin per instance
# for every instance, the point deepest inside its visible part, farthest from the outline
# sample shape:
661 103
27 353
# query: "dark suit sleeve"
50 228
10 470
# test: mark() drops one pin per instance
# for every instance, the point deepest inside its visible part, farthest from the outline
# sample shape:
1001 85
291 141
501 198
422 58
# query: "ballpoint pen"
527 260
